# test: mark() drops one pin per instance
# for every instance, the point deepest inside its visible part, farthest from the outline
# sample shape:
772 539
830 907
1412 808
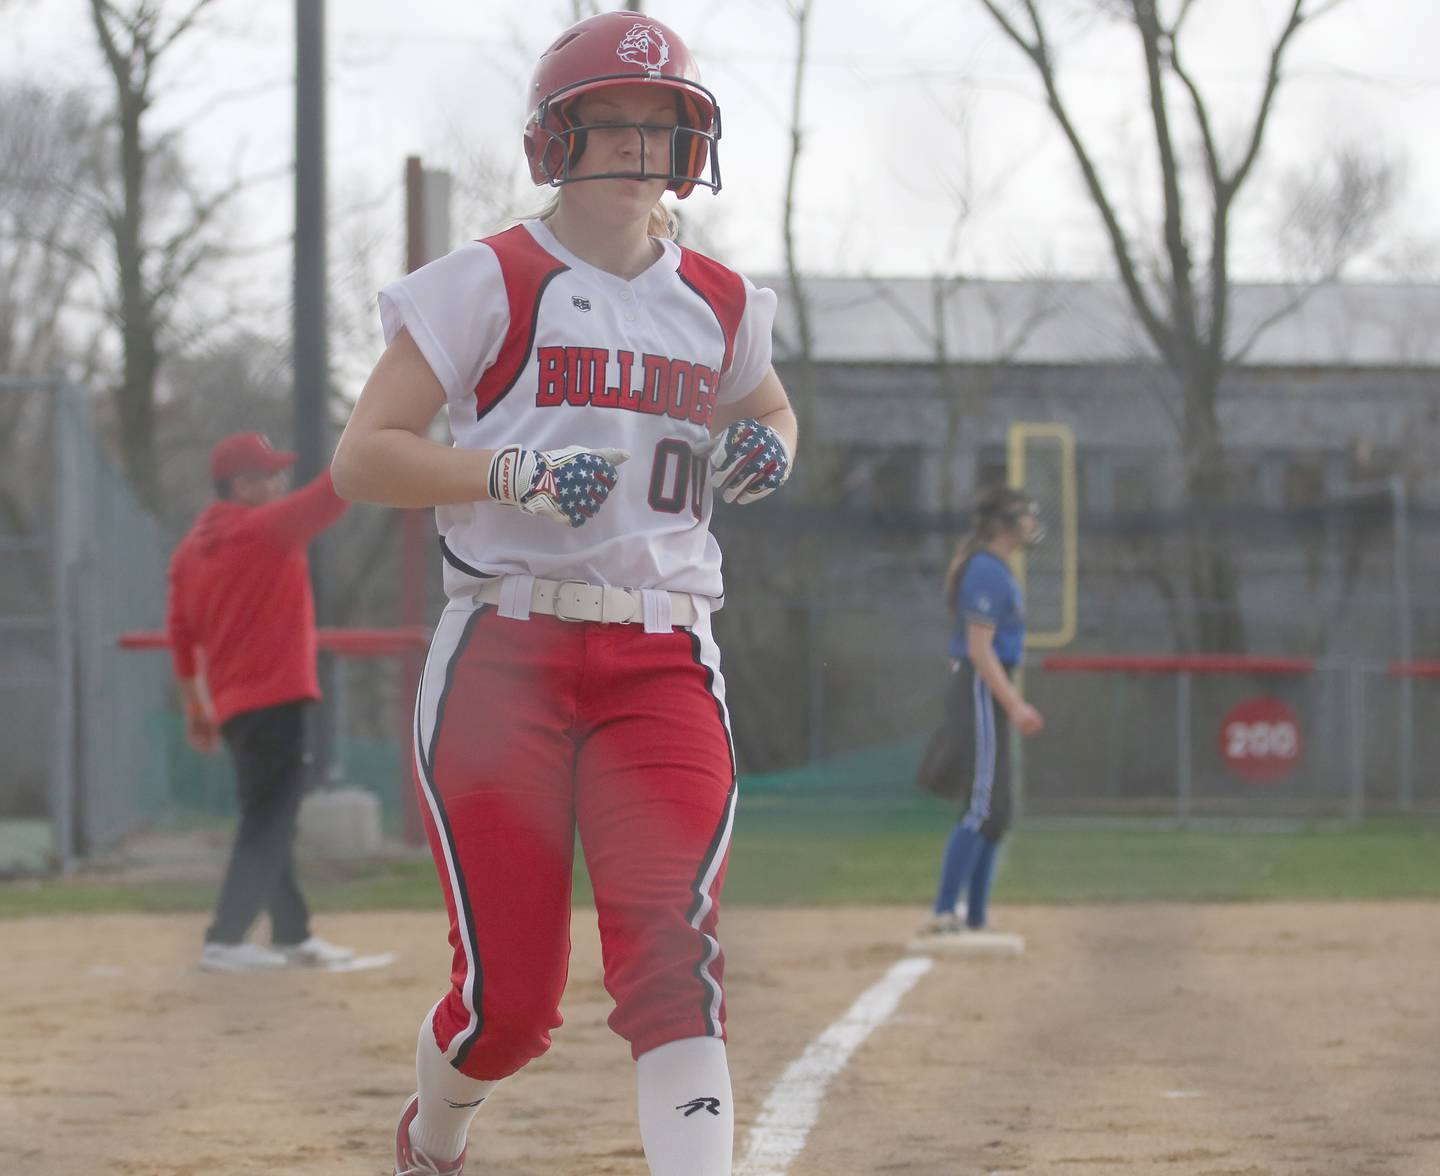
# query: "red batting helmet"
617 49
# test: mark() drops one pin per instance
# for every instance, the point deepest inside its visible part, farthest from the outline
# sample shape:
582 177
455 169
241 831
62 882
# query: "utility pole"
427 235
311 356
310 349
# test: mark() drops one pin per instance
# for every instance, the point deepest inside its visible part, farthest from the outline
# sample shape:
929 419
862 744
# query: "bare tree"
50 145
155 254
1183 306
50 151
1008 323
1332 210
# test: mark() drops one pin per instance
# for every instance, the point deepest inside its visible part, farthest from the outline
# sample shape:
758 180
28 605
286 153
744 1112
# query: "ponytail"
663 222
967 547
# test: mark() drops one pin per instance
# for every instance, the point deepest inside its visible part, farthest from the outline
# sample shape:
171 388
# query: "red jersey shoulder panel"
721 289
526 269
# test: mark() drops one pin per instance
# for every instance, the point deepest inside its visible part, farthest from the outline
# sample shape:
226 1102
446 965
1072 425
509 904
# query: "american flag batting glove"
747 461
567 485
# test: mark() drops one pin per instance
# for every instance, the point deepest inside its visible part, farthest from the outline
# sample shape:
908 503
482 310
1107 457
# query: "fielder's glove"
568 485
747 461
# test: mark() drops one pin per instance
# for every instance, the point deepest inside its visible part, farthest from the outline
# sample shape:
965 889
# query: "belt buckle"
562 616
635 600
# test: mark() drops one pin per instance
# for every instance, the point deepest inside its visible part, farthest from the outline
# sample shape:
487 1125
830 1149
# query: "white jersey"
538 348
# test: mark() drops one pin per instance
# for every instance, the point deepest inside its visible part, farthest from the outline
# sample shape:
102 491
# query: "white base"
339 822
969 943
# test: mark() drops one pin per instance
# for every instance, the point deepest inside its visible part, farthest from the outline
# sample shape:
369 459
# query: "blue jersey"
990 595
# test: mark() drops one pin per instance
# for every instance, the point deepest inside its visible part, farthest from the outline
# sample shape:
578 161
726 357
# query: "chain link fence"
29 718
835 641
79 753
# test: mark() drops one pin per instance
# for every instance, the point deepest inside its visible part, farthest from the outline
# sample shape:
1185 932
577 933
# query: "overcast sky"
905 99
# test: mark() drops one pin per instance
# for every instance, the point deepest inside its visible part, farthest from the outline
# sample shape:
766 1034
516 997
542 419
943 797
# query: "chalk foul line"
779 1134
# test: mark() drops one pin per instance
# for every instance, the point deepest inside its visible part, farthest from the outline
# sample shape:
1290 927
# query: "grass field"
817 851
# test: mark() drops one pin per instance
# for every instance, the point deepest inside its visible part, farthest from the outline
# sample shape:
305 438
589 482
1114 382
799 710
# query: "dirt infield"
1266 1040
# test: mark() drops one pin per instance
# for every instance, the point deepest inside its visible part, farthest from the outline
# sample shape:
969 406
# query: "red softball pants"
527 730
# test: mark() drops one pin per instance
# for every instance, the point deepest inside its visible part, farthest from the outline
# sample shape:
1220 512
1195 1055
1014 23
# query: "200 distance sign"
1260 740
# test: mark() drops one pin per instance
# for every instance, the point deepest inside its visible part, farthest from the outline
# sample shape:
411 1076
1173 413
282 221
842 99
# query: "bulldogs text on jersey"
535 347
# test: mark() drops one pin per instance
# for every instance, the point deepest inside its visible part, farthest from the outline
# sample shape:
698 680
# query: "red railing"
408 641
1208 663
1194 663
1415 669
340 642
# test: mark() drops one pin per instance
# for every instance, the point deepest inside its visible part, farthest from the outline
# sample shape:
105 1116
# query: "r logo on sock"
700 1104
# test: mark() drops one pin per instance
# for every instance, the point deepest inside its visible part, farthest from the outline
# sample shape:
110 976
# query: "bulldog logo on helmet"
644 45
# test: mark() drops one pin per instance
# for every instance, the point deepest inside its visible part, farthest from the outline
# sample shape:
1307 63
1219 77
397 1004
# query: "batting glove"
747 461
568 485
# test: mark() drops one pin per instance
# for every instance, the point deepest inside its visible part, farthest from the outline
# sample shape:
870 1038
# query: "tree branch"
1219 211
882 290
102 12
1182 292
72 253
1160 332
172 276
1284 311
182 26
1198 108
1267 98
1185 7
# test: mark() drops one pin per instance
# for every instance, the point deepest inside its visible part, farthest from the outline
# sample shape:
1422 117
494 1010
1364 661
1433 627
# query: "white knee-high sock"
448 1100
687 1117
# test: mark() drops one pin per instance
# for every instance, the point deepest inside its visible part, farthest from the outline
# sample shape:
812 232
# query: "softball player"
600 383
988 644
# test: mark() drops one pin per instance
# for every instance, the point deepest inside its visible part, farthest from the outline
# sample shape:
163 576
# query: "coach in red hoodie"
241 621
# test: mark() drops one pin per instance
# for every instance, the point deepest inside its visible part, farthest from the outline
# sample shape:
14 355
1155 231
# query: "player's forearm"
394 467
301 515
193 697
783 421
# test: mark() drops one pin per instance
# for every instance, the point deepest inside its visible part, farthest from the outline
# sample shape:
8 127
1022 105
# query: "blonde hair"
662 220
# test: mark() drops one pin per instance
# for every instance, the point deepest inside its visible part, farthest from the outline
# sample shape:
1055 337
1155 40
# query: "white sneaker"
943 925
239 957
314 953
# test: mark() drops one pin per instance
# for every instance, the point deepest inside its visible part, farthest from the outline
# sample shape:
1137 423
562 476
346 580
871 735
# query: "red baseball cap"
246 453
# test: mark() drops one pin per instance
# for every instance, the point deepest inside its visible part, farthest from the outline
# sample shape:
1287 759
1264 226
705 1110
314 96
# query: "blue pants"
971 852
969 867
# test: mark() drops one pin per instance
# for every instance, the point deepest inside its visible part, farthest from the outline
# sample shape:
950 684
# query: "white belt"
575 600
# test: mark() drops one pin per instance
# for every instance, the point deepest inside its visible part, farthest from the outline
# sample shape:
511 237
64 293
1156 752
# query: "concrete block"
339 822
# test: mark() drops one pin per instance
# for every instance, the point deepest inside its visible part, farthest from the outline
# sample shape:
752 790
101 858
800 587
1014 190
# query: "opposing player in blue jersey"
988 643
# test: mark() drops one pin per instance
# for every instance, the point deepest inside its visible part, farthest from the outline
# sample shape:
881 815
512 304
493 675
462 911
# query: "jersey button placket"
627 298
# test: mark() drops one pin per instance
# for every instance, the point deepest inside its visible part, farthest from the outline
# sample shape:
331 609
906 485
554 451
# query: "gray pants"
268 749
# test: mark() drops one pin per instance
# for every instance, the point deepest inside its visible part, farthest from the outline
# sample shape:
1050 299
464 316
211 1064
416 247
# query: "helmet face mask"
1015 521
611 50
1013 518
1037 531
1008 509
